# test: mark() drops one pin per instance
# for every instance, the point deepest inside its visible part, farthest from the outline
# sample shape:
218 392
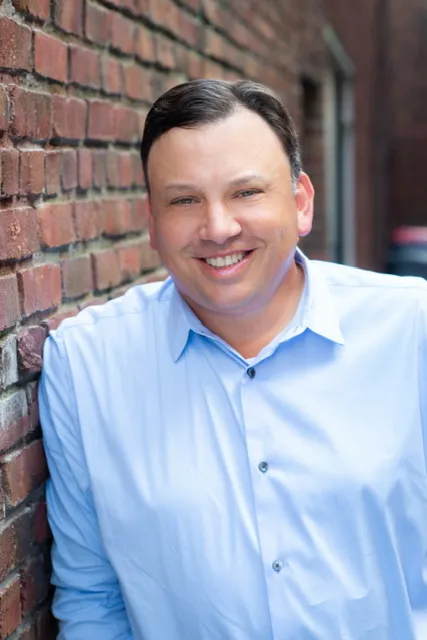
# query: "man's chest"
257 488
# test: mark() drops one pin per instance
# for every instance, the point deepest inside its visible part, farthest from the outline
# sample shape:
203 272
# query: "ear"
150 217
304 198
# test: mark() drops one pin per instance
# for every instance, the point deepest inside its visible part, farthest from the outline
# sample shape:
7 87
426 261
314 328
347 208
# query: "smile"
226 261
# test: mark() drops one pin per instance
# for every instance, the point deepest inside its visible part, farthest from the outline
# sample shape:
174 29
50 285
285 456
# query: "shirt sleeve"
88 601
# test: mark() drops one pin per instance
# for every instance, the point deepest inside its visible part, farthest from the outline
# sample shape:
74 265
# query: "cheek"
171 235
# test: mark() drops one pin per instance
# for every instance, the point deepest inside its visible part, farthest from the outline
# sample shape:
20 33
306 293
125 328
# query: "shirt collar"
318 313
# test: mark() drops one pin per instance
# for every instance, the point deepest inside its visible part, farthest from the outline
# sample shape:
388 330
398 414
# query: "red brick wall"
76 80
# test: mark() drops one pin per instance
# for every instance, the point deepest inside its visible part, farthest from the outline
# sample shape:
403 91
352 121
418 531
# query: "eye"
247 193
184 201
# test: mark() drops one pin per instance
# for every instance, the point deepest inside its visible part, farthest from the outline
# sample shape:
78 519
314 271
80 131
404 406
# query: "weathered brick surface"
15 44
9 301
23 471
30 346
18 233
35 8
40 288
50 56
56 224
76 276
10 606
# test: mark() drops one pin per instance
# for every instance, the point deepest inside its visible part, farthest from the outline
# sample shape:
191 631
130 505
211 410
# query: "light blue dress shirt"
198 496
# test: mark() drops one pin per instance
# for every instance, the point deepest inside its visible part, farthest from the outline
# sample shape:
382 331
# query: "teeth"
226 261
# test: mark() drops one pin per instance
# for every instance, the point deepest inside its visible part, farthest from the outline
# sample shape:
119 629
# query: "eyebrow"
181 186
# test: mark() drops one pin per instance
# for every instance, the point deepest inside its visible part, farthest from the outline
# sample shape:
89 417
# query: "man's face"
223 214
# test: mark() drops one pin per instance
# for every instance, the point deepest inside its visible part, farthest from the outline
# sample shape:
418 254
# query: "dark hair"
202 101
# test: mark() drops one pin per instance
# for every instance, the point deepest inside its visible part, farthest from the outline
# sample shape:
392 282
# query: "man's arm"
88 600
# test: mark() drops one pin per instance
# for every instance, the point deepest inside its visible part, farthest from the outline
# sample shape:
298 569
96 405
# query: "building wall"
407 44
76 80
359 32
387 41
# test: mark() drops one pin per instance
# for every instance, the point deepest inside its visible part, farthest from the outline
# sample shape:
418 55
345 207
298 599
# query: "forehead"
242 141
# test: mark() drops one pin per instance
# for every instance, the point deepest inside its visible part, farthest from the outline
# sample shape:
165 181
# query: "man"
239 453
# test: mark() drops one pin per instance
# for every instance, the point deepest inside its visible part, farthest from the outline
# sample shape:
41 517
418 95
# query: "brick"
122 33
101 121
172 17
88 219
138 82
15 45
119 169
130 261
52 171
144 45
34 584
4 109
56 224
150 259
35 8
31 114
76 276
8 362
85 168
15 541
10 606
98 23
212 12
181 58
14 423
165 53
27 632
139 214
138 174
85 67
213 44
9 302
32 172
69 117
126 124
23 471
112 81
30 346
33 405
190 29
69 169
50 56
195 66
9 161
40 288
69 15
99 168
18 234
117 217
40 524
105 269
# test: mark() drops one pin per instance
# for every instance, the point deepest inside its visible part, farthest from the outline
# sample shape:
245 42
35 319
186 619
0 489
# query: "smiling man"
238 453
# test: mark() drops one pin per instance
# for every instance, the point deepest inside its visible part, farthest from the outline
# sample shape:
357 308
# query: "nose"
219 224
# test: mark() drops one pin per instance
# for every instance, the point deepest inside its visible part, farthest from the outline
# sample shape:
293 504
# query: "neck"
250 332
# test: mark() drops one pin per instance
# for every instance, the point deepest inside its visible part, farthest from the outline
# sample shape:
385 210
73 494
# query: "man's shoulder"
345 277
137 303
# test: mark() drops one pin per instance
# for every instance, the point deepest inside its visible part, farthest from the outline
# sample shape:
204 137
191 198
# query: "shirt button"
251 372
277 566
263 467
